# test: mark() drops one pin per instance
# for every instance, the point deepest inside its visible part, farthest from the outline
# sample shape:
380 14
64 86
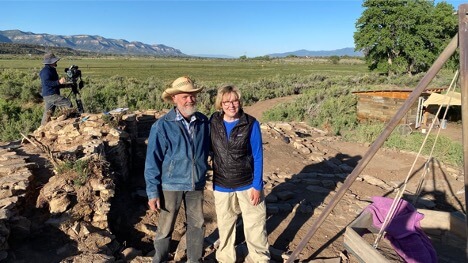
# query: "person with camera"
51 85
175 169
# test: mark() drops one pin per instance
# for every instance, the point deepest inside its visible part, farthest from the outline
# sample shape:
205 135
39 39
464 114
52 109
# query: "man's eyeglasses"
233 102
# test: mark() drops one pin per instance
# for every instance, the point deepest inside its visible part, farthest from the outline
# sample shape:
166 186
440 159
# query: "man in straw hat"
175 169
51 85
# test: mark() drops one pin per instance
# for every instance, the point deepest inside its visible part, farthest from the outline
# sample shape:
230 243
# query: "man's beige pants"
228 207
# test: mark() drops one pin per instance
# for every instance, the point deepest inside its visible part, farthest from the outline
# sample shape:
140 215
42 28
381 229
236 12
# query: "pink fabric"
404 231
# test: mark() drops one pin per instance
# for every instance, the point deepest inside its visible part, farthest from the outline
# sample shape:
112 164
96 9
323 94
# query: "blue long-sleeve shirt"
257 153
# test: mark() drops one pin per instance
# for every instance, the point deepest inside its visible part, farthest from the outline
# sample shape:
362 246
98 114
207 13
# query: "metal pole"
463 45
423 83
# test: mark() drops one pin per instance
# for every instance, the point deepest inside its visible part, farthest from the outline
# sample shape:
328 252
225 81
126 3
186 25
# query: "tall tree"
403 36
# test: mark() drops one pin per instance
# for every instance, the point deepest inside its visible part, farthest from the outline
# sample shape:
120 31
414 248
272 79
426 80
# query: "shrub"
16 84
16 120
326 102
334 59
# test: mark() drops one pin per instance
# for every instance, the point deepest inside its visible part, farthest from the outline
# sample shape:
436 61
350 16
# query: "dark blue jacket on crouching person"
50 81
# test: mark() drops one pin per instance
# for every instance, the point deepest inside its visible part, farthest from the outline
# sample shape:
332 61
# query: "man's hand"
254 196
154 204
62 80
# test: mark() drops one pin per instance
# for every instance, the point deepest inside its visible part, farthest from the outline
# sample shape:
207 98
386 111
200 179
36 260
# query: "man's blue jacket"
174 162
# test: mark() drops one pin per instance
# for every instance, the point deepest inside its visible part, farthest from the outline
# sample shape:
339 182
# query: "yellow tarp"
451 98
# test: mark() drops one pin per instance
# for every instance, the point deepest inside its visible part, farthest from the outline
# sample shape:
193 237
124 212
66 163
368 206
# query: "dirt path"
258 108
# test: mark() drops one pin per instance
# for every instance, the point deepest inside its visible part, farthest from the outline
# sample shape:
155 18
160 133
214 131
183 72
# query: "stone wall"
79 204
14 181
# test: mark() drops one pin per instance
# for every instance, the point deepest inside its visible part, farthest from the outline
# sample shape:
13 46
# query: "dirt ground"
392 167
303 169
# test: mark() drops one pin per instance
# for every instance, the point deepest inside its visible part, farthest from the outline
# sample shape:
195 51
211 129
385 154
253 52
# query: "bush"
18 121
19 85
334 59
326 102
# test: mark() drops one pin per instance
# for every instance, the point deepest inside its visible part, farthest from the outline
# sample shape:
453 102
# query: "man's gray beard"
188 111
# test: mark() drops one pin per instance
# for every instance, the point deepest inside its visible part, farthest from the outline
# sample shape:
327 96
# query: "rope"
431 160
401 190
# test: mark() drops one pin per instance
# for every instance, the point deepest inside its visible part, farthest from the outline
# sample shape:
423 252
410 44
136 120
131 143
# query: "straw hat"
50 58
180 85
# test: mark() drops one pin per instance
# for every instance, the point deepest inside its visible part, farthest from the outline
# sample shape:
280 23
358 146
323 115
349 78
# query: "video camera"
74 75
76 83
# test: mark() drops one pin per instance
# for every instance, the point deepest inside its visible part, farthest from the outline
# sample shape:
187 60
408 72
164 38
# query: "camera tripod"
76 93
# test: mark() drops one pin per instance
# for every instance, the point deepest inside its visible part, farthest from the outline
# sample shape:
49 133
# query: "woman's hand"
254 196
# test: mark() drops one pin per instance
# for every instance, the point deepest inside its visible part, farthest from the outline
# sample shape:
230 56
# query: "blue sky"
233 28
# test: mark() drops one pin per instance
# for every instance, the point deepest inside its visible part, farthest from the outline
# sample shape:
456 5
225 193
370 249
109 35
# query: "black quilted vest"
232 159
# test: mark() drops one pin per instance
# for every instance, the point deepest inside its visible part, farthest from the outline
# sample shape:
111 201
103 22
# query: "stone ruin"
89 155
79 198
90 165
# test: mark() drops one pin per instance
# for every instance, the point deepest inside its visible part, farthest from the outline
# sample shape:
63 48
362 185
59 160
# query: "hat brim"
168 93
50 61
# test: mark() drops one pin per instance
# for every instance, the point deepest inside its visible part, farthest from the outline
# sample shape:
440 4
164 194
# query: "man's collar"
180 117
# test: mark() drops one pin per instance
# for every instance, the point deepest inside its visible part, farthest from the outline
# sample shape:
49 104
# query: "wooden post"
463 45
444 56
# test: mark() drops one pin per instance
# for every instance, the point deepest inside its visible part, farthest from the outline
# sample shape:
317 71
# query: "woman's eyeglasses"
233 102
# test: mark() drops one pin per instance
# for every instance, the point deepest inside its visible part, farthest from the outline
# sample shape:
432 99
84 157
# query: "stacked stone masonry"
14 181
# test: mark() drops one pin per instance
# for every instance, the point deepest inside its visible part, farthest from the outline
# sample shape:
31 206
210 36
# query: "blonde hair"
226 90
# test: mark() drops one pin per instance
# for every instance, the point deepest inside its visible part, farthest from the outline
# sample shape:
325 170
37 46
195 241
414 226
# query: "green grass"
207 70
79 169
445 149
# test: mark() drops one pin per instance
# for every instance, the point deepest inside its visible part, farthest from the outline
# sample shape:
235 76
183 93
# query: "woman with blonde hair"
237 177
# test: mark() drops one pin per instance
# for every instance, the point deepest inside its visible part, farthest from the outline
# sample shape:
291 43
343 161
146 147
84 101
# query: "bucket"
443 124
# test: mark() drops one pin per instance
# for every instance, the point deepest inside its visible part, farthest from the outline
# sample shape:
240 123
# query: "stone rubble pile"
15 176
80 207
283 190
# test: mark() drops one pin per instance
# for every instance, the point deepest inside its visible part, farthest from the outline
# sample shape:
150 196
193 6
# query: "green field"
326 100
206 70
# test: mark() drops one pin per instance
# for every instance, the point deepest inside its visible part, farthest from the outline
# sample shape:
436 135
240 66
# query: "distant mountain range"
88 43
102 45
212 56
349 51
